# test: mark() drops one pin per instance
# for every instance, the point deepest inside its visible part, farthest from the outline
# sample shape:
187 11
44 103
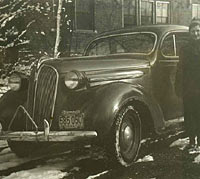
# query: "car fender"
8 105
109 99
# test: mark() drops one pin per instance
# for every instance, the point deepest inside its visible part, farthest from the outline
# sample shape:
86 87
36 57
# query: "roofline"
123 30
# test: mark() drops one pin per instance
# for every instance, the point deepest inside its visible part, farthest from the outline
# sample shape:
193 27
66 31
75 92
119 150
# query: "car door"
168 58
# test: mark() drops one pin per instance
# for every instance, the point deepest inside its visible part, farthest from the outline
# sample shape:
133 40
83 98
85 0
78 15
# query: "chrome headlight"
73 79
14 82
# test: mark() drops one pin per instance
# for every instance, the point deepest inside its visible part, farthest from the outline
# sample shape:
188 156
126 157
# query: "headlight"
72 80
14 82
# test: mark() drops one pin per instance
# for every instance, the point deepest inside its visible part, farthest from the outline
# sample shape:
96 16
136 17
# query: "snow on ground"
180 143
9 159
197 159
97 175
52 169
147 158
52 166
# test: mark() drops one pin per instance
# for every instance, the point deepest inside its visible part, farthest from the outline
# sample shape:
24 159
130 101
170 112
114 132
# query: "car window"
173 43
142 43
181 39
100 48
167 48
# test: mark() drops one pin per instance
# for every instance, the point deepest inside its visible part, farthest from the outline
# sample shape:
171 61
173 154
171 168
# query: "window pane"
146 12
84 14
129 13
196 10
167 48
133 43
165 10
101 47
162 13
159 9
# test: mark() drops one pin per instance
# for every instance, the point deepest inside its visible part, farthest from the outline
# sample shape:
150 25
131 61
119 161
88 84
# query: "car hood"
98 63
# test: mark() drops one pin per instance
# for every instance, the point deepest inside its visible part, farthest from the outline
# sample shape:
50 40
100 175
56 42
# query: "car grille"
44 96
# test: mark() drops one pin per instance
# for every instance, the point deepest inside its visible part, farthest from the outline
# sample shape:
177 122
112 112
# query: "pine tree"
31 26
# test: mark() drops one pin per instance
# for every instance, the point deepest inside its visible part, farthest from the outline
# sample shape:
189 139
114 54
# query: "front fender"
9 103
109 99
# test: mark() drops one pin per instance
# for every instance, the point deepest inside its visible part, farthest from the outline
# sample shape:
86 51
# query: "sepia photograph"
100 89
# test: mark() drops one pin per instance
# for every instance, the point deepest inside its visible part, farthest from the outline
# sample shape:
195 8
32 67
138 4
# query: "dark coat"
188 86
188 71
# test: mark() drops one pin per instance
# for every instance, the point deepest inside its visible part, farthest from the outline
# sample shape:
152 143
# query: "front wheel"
126 136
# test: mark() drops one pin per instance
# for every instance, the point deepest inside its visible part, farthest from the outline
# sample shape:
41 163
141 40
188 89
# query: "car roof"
158 29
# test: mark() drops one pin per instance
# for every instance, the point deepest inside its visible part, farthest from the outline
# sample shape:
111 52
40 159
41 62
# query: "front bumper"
53 136
46 134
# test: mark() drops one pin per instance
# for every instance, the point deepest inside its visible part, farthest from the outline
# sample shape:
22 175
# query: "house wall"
181 12
108 16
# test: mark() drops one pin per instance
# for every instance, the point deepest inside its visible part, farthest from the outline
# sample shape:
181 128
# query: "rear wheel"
126 136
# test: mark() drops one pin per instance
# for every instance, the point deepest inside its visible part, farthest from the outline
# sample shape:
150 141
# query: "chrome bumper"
46 134
53 136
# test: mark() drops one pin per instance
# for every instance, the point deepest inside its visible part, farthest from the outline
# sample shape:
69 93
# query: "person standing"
188 84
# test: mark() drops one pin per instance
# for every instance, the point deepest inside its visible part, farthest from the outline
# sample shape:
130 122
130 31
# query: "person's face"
195 32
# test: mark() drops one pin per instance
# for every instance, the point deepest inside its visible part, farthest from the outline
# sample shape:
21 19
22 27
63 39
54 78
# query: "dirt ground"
159 159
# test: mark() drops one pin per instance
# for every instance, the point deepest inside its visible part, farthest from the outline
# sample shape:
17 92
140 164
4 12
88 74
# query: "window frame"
174 45
174 34
152 13
124 34
198 12
168 13
123 14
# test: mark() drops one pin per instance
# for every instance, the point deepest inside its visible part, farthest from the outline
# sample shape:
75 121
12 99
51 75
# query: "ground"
159 159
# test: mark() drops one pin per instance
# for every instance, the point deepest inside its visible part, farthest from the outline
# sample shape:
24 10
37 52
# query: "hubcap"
127 136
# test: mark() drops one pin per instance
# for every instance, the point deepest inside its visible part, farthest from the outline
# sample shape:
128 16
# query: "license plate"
71 120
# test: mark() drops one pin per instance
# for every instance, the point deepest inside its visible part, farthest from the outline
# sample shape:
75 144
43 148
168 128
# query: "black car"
119 92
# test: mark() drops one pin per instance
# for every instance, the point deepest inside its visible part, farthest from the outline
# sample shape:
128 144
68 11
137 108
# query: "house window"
146 12
84 14
129 13
195 10
162 12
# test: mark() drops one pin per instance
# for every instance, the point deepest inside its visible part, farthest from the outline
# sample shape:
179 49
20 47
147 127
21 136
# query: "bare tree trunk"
58 38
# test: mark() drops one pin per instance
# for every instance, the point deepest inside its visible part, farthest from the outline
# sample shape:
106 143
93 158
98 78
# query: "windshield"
139 43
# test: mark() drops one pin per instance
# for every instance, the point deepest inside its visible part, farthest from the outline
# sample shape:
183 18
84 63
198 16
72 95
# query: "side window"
100 48
167 48
182 39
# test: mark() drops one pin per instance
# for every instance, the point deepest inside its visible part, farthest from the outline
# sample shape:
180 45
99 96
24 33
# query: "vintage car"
119 92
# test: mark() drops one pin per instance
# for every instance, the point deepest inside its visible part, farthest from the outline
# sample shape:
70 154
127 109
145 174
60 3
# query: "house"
95 16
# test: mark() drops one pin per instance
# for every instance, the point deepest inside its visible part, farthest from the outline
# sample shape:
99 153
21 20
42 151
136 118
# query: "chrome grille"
45 95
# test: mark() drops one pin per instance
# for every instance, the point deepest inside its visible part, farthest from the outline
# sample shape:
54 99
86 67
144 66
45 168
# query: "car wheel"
126 136
23 149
